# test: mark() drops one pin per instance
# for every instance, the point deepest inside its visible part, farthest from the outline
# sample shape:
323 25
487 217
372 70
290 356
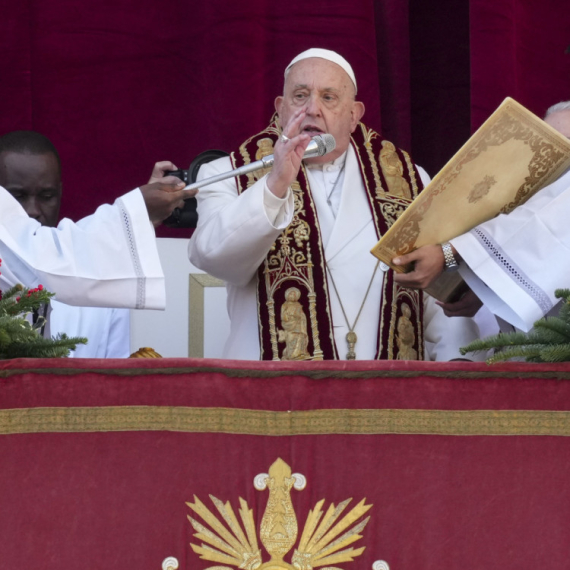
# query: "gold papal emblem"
325 540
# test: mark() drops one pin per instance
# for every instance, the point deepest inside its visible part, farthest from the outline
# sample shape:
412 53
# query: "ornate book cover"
509 158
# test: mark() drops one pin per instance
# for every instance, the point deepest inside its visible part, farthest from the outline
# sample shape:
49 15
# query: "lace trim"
514 271
128 229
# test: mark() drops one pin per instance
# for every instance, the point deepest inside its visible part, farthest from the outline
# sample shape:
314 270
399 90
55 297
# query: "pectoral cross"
351 339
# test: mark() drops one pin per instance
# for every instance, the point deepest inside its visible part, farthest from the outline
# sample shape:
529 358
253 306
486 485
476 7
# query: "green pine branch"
39 347
18 337
548 341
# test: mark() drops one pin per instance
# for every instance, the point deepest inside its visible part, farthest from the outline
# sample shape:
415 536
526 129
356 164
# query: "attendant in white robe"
235 232
30 169
107 330
107 259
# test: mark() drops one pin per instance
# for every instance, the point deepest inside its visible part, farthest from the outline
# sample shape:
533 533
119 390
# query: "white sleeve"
515 262
108 259
234 232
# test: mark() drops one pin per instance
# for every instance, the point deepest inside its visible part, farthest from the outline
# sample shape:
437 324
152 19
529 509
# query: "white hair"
562 106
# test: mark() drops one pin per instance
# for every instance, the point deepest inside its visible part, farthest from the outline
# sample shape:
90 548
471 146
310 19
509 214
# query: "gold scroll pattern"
325 540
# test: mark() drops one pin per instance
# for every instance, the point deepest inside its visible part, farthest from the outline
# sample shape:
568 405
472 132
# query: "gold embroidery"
481 189
323 542
294 323
368 135
412 173
247 159
293 263
393 171
266 422
406 338
265 148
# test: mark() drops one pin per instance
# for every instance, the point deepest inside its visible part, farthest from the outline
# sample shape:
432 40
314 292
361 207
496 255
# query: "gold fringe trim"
271 423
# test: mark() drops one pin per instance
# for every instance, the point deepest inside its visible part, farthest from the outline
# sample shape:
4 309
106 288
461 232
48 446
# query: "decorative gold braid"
412 173
272 327
271 423
368 136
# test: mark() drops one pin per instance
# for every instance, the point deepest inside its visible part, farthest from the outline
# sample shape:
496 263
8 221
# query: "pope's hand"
288 155
428 263
161 199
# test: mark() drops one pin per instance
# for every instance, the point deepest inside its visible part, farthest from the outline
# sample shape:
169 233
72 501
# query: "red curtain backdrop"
118 85
519 49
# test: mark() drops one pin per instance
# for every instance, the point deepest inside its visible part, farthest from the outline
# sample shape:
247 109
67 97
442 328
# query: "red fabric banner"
466 465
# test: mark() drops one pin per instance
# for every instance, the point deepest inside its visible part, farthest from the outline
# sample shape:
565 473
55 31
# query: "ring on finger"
285 139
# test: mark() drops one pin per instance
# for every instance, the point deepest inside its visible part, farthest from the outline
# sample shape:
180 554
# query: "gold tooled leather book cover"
508 159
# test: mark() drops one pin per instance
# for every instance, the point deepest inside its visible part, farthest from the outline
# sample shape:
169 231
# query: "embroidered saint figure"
393 171
264 148
406 337
294 323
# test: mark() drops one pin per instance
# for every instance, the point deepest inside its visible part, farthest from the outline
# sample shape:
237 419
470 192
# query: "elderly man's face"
325 90
35 181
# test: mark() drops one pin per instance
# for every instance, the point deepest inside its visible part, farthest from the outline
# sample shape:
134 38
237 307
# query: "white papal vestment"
108 259
235 233
515 262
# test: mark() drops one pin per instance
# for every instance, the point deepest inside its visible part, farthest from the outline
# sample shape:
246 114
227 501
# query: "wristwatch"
450 261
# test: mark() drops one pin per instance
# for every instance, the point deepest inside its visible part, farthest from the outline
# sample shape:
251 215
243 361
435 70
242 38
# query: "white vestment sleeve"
515 262
108 259
234 232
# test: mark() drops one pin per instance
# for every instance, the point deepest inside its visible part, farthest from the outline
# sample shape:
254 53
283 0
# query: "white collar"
336 162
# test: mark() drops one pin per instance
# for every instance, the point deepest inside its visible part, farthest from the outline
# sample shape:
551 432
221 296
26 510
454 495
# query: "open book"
508 159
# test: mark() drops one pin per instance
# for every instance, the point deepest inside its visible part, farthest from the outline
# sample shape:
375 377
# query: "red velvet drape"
118 85
520 49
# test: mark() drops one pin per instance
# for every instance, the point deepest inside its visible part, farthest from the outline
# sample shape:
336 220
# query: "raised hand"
288 152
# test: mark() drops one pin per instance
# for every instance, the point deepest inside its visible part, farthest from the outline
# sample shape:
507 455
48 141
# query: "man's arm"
107 259
235 232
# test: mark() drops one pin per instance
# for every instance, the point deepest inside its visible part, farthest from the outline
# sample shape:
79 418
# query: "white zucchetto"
325 54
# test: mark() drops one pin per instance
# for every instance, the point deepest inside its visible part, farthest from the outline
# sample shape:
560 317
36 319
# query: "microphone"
318 146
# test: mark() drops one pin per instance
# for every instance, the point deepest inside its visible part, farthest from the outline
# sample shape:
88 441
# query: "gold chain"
351 337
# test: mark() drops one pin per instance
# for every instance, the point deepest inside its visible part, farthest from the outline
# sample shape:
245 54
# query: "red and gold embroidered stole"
293 299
